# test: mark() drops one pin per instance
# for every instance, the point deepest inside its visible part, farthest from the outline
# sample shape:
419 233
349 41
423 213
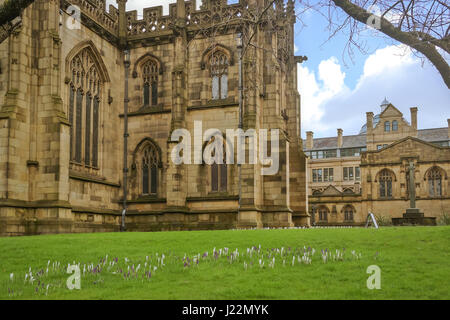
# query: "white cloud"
394 72
383 60
315 93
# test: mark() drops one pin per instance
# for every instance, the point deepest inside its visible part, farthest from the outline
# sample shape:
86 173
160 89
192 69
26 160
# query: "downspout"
125 140
240 126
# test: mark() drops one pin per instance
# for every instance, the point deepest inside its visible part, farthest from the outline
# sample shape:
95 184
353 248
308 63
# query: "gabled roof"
391 109
331 191
403 140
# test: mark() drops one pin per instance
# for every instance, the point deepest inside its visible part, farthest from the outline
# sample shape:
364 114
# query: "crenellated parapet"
155 25
211 11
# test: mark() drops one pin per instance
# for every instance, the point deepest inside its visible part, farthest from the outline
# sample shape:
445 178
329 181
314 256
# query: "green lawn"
414 262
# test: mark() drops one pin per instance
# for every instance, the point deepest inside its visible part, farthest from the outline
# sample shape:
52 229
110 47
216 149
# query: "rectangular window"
352 152
345 174
317 175
357 174
330 153
350 173
319 154
328 174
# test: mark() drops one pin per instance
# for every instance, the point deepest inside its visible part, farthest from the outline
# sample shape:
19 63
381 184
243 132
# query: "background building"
349 176
62 98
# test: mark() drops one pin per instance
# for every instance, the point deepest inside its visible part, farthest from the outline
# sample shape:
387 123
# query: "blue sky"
337 90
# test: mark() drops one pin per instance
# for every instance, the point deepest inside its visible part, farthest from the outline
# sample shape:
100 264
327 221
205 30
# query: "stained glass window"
150 76
84 98
150 161
219 74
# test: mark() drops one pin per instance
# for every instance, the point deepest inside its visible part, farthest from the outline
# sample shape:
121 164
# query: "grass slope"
414 264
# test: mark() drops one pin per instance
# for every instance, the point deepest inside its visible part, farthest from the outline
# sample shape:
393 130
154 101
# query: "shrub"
383 220
444 220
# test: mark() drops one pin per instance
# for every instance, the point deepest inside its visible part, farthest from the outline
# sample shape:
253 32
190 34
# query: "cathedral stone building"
350 176
66 78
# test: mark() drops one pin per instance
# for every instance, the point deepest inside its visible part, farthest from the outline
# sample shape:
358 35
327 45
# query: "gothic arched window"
84 104
434 178
385 183
150 77
348 213
323 213
150 164
387 126
219 63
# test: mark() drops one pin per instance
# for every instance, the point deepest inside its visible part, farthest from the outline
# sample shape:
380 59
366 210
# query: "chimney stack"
448 133
414 117
309 140
369 122
339 138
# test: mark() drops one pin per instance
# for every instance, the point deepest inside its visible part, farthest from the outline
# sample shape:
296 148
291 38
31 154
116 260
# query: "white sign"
371 216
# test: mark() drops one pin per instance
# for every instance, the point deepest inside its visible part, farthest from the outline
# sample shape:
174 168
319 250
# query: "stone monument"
413 215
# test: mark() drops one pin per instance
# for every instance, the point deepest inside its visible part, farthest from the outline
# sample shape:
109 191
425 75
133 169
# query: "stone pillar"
177 174
37 159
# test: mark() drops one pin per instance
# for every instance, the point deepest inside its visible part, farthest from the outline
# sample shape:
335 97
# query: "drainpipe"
240 126
125 139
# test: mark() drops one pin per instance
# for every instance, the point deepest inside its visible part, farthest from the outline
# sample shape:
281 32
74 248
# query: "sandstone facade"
62 92
370 170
